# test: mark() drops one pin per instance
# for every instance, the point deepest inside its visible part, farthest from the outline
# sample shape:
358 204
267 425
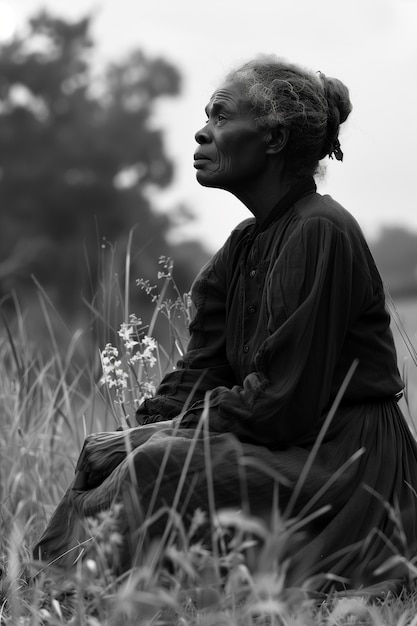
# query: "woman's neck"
260 196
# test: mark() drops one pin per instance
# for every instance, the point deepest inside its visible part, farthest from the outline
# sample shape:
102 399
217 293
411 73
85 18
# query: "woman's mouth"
199 156
200 159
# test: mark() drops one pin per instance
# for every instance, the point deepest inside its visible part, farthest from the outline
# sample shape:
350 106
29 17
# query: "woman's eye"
217 118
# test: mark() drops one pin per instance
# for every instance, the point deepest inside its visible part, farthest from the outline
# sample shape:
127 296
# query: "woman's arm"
314 293
205 365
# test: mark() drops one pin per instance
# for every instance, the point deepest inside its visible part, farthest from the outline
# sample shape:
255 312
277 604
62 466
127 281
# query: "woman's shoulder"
318 209
238 236
224 259
239 232
243 227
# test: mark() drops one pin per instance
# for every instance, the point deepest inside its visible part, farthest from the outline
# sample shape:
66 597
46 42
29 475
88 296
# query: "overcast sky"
369 44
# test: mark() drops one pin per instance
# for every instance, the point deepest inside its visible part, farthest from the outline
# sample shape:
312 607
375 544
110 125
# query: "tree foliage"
78 156
395 253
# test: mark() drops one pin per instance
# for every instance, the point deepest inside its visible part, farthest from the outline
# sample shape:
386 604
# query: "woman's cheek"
225 164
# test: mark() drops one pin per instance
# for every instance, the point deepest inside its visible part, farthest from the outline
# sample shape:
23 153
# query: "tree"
77 157
395 253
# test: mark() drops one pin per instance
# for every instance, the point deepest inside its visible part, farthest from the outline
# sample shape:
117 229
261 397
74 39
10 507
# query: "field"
47 408
405 332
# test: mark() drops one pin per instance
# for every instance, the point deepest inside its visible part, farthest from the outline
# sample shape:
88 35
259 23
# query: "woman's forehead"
230 94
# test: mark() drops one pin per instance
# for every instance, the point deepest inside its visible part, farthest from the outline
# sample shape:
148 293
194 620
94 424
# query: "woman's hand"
103 452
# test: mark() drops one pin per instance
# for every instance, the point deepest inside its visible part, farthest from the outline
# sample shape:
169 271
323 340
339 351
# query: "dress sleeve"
314 291
205 365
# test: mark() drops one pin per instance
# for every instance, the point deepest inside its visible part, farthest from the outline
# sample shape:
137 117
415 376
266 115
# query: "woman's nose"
202 135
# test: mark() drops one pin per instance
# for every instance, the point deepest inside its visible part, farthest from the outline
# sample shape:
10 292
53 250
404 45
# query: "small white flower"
149 341
126 331
91 566
148 357
148 390
44 614
135 321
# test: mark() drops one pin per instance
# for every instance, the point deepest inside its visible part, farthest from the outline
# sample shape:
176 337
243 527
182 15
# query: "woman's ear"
276 139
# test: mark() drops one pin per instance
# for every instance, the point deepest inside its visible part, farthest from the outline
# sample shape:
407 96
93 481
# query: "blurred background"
99 103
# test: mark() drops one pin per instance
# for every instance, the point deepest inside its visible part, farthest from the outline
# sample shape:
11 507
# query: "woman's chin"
204 179
209 180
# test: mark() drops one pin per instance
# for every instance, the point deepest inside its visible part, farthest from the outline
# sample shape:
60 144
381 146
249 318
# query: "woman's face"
231 150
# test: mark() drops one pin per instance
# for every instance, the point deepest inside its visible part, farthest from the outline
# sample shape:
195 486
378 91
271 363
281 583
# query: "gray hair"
311 105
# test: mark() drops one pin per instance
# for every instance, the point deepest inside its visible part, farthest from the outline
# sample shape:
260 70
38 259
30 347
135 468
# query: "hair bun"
339 108
337 95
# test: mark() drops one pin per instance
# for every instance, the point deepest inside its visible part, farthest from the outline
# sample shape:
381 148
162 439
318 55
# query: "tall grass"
50 400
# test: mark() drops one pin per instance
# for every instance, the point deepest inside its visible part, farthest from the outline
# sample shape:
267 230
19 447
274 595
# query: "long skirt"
346 503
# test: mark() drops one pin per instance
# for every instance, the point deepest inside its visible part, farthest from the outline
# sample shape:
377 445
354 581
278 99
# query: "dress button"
251 308
246 348
252 273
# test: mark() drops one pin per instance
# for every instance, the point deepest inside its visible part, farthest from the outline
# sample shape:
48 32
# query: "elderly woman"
287 395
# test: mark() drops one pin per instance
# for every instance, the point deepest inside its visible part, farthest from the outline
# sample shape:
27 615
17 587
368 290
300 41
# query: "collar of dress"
302 188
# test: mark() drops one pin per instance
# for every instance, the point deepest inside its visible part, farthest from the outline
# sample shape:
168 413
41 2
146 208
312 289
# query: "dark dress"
284 311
